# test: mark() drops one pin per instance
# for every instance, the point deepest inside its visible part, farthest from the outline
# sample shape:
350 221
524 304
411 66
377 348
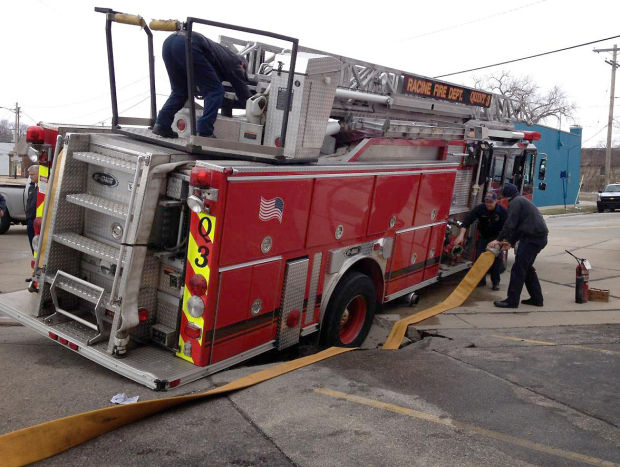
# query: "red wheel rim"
352 319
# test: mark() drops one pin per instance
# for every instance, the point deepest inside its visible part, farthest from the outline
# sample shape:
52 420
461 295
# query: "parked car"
609 198
15 195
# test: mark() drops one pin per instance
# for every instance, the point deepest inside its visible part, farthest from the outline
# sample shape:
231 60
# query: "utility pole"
614 65
16 136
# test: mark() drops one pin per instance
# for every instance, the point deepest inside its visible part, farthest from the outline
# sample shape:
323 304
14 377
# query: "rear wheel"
599 209
5 222
350 311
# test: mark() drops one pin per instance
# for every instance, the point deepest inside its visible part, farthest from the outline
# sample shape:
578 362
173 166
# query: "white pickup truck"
15 194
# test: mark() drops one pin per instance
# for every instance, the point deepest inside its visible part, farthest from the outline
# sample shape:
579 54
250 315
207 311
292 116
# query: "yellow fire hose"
456 298
47 439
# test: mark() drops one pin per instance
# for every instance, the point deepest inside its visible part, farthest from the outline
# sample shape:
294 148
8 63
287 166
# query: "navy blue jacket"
524 221
31 203
490 223
227 64
2 204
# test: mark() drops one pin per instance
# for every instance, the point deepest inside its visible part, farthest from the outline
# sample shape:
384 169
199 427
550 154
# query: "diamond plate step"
76 288
96 203
106 161
89 246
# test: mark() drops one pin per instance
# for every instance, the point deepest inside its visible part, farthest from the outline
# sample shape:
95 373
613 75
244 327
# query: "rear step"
102 205
102 160
89 246
84 290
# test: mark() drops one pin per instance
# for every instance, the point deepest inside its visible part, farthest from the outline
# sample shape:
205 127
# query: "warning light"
199 177
35 135
73 346
278 142
63 341
53 336
197 284
175 383
36 225
531 135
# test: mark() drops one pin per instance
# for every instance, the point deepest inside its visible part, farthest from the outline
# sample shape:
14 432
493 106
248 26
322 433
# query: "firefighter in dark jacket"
31 202
526 225
491 217
213 63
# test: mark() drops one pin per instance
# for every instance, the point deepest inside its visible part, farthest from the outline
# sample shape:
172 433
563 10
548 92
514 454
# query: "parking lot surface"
478 386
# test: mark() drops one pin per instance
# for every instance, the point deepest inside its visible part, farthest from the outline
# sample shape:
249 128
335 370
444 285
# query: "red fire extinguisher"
582 277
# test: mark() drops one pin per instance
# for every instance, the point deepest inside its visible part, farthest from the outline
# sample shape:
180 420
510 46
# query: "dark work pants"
481 247
523 271
206 81
30 231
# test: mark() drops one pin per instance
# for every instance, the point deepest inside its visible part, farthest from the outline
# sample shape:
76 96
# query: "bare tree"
535 103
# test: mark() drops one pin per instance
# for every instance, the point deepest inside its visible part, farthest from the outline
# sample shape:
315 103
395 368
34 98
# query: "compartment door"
246 309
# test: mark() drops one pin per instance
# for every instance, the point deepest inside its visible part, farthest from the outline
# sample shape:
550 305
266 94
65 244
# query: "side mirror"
542 186
600 191
542 170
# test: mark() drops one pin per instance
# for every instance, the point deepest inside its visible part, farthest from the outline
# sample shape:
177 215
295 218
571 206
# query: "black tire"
350 311
600 209
5 222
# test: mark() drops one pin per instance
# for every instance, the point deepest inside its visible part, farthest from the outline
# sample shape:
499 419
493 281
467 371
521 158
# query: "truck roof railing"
173 25
134 20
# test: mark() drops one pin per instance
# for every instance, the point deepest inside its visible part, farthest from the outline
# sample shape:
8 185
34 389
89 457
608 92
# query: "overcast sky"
54 57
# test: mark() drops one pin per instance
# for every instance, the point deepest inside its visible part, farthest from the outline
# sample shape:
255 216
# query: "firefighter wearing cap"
491 217
526 225
213 63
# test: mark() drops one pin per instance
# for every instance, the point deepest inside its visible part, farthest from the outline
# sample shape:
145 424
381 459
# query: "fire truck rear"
340 189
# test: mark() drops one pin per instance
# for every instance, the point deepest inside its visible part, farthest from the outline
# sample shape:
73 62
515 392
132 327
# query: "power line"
528 57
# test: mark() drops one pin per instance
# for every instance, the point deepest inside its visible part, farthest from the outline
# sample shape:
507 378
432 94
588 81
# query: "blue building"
563 166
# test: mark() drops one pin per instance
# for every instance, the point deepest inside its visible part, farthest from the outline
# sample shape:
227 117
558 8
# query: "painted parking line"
573 456
554 344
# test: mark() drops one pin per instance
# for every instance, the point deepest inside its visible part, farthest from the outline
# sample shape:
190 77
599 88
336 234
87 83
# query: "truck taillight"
197 285
531 135
143 314
199 177
193 331
35 135
36 225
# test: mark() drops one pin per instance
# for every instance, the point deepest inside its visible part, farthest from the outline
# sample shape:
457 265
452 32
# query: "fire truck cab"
341 188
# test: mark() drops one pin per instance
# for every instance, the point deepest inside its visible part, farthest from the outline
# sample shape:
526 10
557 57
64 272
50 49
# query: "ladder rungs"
89 246
106 161
96 203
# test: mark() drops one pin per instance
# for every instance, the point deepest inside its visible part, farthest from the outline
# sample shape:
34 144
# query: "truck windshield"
613 188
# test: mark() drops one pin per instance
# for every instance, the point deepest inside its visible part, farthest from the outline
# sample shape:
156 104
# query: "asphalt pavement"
477 386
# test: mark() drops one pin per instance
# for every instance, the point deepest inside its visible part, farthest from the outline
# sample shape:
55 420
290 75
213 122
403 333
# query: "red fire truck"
341 188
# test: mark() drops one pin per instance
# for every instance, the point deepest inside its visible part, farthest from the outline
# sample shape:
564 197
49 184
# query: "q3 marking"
205 227
418 86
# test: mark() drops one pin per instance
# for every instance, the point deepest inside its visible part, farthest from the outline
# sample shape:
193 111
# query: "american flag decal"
271 209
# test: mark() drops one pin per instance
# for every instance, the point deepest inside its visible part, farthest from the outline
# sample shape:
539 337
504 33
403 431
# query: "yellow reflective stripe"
194 258
43 172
